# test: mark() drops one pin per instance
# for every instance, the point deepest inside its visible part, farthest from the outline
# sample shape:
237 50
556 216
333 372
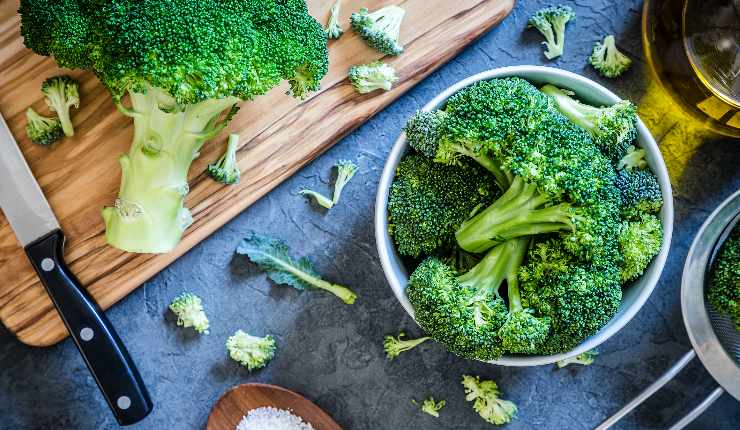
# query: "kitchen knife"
38 231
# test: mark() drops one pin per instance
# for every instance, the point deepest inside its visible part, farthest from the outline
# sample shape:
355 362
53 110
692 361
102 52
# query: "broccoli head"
608 60
380 29
640 192
250 351
486 401
189 310
373 76
225 169
42 130
184 65
639 242
550 21
61 93
613 128
724 290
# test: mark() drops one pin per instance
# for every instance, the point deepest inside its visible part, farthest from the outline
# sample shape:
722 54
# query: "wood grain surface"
235 403
279 135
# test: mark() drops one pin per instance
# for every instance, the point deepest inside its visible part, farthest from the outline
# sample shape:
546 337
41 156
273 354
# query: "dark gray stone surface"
331 352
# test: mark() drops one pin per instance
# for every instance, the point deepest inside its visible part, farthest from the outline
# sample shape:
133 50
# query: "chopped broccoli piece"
225 169
373 76
345 172
430 406
189 310
250 351
380 29
724 289
333 27
272 256
485 397
61 93
607 60
42 130
319 198
634 159
394 346
640 192
585 358
184 65
550 21
613 128
639 242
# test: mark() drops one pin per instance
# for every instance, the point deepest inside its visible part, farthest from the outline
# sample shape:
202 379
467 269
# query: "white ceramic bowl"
590 92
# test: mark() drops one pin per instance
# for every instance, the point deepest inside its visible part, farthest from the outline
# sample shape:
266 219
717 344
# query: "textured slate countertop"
332 353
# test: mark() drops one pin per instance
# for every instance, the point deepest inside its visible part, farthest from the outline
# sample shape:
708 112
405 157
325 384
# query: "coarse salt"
269 418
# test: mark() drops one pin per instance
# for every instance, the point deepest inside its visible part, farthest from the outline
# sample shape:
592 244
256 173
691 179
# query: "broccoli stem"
149 216
503 177
518 212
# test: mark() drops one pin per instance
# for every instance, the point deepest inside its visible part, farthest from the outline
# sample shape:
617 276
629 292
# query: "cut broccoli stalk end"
520 211
149 216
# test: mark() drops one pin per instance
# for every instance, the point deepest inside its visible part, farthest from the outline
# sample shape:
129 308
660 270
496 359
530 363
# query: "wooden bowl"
235 403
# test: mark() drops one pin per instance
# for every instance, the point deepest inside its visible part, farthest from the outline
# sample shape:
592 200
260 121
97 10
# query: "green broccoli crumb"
486 401
250 351
430 406
189 310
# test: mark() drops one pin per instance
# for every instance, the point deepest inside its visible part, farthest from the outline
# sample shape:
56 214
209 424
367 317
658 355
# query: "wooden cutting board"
279 135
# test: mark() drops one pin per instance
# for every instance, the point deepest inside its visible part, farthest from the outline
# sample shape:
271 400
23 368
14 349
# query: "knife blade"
37 229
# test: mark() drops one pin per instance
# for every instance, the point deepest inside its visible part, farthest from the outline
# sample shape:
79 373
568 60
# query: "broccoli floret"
550 21
585 359
380 29
724 288
373 76
428 201
613 128
607 60
42 130
250 351
333 27
273 256
61 93
345 171
225 169
430 406
640 192
319 198
394 346
184 65
466 312
189 310
639 242
485 397
423 131
633 159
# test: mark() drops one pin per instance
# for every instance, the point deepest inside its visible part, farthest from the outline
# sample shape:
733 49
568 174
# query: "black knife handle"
98 342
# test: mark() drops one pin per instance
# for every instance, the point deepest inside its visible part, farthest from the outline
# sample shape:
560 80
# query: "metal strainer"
712 336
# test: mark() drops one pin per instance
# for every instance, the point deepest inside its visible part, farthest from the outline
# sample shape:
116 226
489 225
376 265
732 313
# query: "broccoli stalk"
149 215
394 346
585 359
225 169
250 351
550 21
373 76
189 310
485 397
42 130
61 93
333 27
613 128
430 406
724 289
380 29
520 211
608 60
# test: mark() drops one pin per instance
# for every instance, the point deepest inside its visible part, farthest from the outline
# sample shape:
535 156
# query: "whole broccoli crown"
373 76
42 130
250 351
428 201
457 317
193 49
608 60
639 242
724 290
380 29
640 192
423 131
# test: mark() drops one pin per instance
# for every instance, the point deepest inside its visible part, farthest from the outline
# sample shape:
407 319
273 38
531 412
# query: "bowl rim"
389 258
